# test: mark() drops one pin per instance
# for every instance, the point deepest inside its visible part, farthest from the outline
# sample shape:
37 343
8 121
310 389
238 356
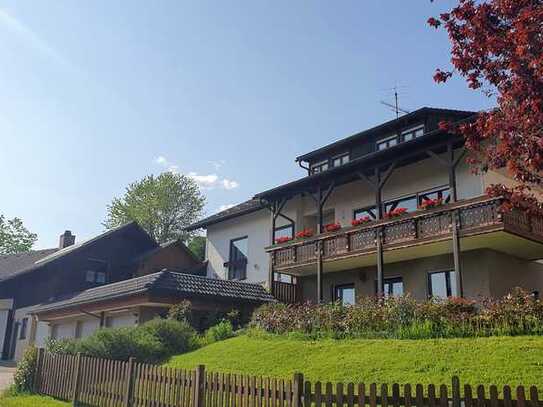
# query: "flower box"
283 239
331 227
395 213
302 234
431 203
361 221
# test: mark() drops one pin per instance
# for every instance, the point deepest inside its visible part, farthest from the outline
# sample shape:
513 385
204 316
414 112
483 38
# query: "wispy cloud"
217 164
205 181
26 34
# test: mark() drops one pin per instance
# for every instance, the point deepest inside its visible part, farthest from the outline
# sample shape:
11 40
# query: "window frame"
370 210
244 274
412 130
340 157
318 165
23 329
448 286
290 226
339 289
387 140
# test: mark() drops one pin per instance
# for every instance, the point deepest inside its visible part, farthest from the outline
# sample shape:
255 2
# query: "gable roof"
391 124
164 281
10 267
12 264
244 208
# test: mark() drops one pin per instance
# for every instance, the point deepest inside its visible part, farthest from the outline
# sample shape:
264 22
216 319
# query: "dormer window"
319 167
340 160
406 135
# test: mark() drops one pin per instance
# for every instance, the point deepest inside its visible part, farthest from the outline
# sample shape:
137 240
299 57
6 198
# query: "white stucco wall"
344 200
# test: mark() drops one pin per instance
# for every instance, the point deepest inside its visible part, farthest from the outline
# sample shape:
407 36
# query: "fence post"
129 385
37 373
297 389
455 391
199 387
76 379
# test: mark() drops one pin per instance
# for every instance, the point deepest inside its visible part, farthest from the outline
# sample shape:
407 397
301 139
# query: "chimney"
66 239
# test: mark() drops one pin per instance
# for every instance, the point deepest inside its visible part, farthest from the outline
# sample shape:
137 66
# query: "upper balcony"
421 233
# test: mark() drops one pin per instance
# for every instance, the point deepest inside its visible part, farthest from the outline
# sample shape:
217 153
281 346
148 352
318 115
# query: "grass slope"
28 401
497 360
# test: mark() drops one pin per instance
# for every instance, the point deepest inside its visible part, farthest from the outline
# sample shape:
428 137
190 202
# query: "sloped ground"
496 360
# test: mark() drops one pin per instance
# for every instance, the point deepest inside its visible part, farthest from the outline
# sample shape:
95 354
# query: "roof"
14 268
384 127
162 246
13 264
164 281
244 208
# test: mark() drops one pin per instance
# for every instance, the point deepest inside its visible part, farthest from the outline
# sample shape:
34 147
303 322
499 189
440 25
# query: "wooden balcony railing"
288 293
475 216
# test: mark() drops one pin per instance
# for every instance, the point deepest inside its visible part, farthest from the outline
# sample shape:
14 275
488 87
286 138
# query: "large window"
442 193
283 231
393 287
408 202
442 284
237 264
95 277
345 294
368 211
24 327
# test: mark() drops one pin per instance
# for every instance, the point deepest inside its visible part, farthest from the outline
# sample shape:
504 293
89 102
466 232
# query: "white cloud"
225 207
204 181
217 164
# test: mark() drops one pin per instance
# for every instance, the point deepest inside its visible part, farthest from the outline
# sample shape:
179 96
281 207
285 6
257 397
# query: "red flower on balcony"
304 233
282 239
361 221
394 213
331 227
430 203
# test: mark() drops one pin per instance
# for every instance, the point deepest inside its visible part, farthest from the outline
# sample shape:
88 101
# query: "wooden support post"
271 274
38 372
456 254
319 211
76 380
452 172
199 387
297 390
129 383
380 264
320 291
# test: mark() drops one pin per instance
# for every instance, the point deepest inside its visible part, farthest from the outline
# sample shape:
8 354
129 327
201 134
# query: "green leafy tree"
14 237
163 205
197 245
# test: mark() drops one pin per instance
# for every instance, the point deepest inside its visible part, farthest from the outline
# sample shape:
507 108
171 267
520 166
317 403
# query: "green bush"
223 330
26 368
518 313
182 312
151 342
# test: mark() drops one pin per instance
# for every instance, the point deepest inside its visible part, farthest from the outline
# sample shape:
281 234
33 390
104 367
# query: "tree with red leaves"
497 45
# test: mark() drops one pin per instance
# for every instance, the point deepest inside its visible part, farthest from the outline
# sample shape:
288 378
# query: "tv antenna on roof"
395 107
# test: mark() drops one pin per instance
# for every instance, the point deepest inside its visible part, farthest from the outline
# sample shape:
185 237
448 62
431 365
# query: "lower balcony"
415 235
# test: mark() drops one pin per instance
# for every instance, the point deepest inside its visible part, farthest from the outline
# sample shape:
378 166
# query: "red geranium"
332 227
431 203
360 221
395 213
282 239
304 233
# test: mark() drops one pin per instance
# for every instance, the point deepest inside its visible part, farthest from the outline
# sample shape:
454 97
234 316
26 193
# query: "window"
285 278
442 284
412 133
393 287
24 325
237 264
340 160
369 211
78 329
387 143
319 167
442 193
410 203
96 277
283 231
345 294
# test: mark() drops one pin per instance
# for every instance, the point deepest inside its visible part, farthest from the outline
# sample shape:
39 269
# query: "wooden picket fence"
101 382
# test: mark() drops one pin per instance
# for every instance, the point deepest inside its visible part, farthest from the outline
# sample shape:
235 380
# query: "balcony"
418 234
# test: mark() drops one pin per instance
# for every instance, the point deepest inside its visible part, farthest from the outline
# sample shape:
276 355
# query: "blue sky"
95 95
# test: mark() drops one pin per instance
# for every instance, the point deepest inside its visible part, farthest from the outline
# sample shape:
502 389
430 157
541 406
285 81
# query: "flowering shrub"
395 213
403 317
431 203
304 233
332 227
282 239
361 221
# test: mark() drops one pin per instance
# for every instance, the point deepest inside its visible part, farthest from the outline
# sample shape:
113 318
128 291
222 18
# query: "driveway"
6 375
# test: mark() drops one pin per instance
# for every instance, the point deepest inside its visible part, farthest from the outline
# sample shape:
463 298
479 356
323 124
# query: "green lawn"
496 360
30 401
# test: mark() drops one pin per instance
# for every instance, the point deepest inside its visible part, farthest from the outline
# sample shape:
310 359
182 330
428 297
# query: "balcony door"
237 263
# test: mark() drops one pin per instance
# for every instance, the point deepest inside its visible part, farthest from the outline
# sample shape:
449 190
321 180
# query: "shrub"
181 312
223 330
174 336
24 375
518 313
60 346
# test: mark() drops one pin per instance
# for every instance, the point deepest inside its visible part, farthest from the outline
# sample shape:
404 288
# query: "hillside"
496 360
